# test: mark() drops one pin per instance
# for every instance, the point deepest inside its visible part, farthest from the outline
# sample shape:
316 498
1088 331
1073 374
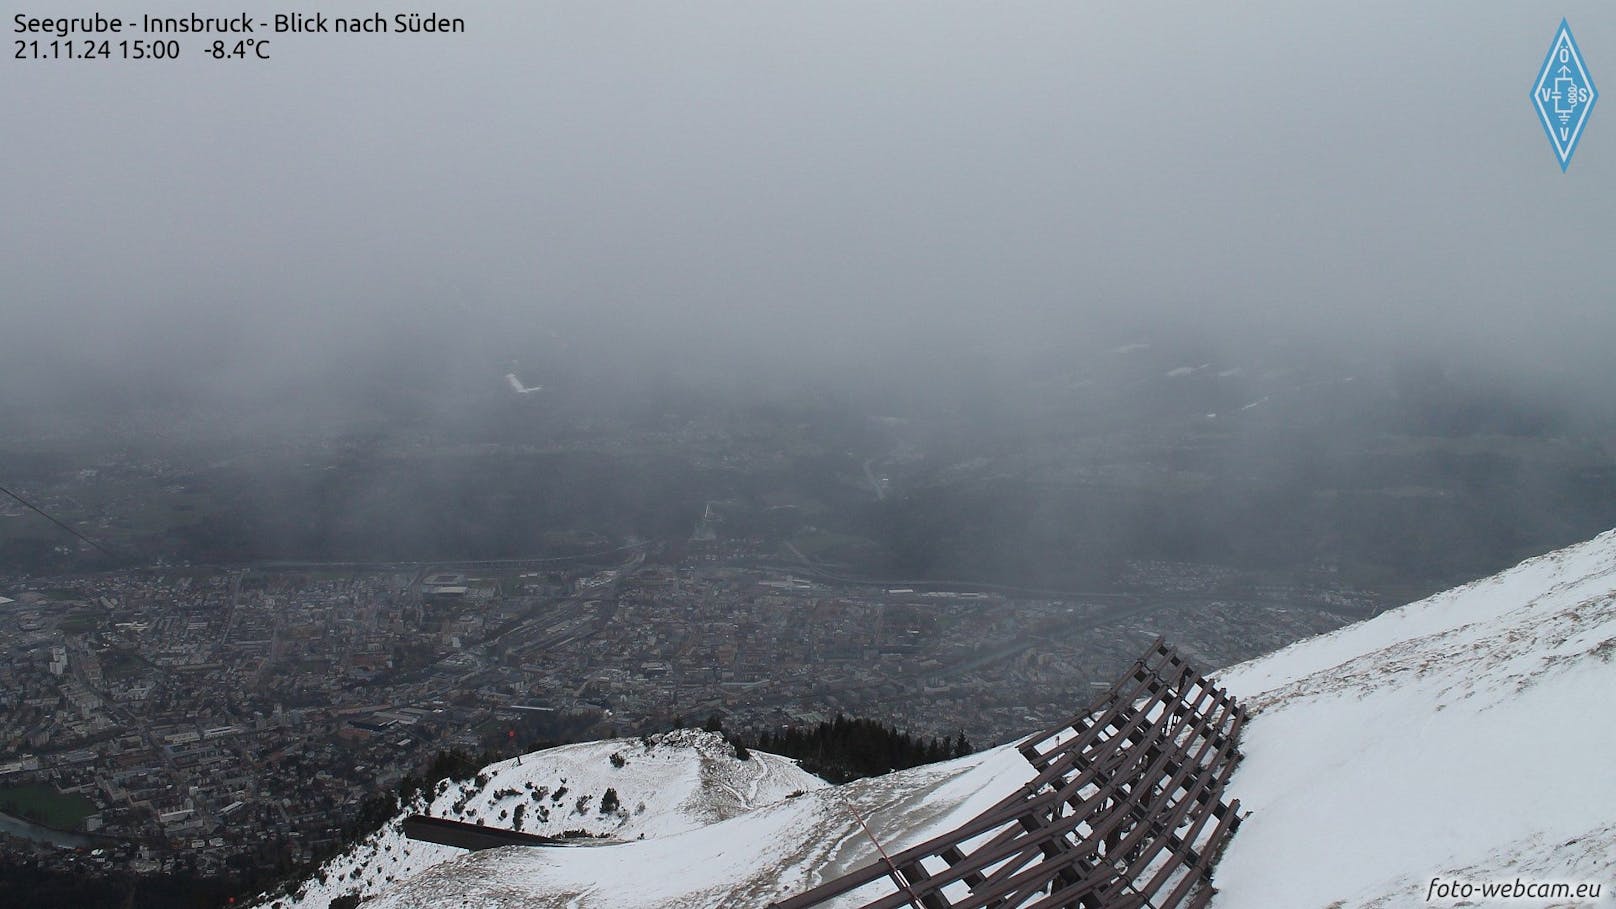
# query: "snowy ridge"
668 784
1468 736
747 861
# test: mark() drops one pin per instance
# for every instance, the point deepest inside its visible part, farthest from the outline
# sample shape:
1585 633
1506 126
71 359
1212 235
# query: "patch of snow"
518 387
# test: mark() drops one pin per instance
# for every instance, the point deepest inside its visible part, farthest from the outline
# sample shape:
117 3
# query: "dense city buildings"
222 718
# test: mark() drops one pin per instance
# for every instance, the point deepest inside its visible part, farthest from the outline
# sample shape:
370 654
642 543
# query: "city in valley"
231 718
743 446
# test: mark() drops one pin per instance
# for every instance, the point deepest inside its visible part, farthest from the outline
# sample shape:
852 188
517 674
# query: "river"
16 826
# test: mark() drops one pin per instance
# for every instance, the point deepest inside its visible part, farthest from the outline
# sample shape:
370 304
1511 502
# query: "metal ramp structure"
474 837
1125 811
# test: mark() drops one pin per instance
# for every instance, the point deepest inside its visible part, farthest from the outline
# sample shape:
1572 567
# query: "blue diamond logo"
1564 95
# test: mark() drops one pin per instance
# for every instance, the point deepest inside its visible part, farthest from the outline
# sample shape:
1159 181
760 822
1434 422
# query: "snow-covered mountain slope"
1470 736
668 784
769 853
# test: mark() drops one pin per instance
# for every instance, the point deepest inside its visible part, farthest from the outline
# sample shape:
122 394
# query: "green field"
83 621
45 806
120 664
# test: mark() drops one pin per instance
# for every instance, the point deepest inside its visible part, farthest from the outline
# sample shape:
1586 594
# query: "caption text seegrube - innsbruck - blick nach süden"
241 24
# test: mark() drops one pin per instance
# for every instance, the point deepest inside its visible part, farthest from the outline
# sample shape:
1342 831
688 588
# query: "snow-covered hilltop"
605 792
1470 736
747 861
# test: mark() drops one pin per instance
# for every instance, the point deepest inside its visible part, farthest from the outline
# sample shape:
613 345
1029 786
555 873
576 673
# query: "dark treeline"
846 749
455 765
30 882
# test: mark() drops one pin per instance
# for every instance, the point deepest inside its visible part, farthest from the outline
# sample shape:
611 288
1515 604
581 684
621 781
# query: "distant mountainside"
1467 737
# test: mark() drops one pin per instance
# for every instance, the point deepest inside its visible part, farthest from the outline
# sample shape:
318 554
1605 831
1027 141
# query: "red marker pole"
914 900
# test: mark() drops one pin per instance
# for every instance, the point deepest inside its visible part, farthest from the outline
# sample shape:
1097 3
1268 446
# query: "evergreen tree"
843 749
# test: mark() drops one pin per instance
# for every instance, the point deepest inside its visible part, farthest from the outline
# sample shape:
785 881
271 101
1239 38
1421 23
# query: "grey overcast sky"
805 173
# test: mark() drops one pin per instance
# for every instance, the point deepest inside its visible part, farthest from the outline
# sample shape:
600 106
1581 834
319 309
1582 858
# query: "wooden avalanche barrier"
1125 811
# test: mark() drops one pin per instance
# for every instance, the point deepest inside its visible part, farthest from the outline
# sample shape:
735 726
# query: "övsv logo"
1564 94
